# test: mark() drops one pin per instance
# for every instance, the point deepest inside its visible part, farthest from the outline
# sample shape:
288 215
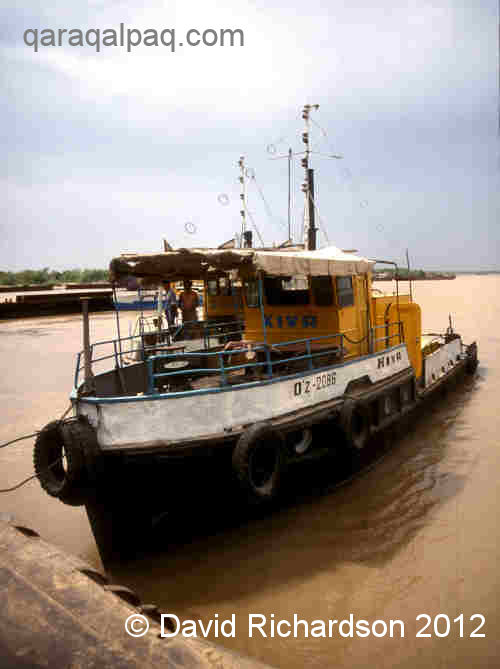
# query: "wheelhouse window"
224 286
322 290
252 293
286 290
212 287
345 291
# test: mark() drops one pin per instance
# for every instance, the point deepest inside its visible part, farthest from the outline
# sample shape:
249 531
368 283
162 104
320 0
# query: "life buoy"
63 458
258 459
355 423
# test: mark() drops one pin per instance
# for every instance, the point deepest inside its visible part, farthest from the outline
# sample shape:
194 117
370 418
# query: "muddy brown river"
416 534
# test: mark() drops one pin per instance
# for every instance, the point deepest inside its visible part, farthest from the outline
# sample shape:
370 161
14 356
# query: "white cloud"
352 54
89 133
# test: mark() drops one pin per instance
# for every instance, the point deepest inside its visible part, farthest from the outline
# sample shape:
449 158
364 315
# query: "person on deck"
170 303
188 303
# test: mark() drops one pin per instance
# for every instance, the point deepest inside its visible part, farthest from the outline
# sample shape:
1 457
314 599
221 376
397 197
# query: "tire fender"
355 423
258 460
472 360
74 441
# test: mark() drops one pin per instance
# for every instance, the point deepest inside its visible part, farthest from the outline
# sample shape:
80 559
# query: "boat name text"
316 383
291 321
386 360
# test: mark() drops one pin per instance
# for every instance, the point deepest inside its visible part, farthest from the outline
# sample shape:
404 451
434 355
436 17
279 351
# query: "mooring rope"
30 478
8 443
28 436
35 434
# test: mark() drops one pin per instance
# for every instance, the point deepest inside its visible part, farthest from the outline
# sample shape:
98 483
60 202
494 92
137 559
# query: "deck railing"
138 346
269 358
223 368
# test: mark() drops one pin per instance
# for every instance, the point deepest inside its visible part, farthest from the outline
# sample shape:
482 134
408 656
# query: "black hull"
135 493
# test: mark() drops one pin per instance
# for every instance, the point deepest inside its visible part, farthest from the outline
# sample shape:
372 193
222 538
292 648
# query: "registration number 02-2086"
315 383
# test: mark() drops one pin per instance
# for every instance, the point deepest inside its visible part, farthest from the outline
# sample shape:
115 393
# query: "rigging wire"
322 226
266 204
253 223
324 133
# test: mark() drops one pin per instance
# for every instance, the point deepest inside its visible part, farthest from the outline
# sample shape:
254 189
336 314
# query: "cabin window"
212 287
345 291
224 286
252 293
281 291
322 290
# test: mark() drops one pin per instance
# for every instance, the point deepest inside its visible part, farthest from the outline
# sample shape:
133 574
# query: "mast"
290 194
241 164
308 185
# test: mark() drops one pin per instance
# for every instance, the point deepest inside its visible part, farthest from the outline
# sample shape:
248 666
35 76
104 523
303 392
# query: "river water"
416 534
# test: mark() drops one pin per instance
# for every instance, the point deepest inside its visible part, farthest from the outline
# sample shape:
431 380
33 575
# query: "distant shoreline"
419 275
431 276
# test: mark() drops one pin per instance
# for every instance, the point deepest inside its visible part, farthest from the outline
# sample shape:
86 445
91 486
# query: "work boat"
322 364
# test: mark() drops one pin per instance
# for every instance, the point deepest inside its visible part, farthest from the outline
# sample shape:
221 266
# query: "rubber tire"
65 485
355 423
472 361
257 437
82 436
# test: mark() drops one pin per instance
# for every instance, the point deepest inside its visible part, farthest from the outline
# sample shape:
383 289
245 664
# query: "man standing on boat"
188 303
170 303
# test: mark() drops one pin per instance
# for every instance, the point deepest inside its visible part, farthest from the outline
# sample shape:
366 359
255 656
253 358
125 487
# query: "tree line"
47 276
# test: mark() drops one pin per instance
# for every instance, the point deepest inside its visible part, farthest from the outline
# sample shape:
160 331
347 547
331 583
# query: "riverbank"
51 303
414 276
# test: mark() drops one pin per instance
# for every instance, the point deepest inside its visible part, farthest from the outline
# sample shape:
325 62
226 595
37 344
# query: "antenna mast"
308 185
246 235
241 164
290 194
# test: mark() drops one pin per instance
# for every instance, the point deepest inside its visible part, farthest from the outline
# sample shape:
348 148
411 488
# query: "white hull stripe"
440 362
177 417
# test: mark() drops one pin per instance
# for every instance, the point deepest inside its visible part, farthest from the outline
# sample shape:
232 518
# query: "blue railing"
268 356
223 369
137 345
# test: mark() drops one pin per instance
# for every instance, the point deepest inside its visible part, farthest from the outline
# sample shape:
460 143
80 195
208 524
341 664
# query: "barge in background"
323 365
55 302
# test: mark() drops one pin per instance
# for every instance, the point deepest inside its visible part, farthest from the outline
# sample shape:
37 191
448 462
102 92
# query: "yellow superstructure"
222 299
305 307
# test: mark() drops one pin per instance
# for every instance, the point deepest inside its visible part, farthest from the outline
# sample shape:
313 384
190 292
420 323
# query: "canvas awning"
195 263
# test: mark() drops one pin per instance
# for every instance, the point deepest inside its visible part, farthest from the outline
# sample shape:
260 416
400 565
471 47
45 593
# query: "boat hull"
143 470
168 420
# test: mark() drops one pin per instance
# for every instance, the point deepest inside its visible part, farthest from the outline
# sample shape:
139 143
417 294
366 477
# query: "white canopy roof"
327 261
194 263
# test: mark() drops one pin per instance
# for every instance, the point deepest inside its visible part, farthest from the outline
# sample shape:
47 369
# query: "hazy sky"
114 151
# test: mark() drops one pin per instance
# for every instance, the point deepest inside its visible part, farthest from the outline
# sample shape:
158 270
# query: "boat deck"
208 355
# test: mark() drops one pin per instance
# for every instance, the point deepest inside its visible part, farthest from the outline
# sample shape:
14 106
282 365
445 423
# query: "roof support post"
87 355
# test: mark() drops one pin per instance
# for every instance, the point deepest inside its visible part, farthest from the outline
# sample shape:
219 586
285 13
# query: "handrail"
223 368
209 330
